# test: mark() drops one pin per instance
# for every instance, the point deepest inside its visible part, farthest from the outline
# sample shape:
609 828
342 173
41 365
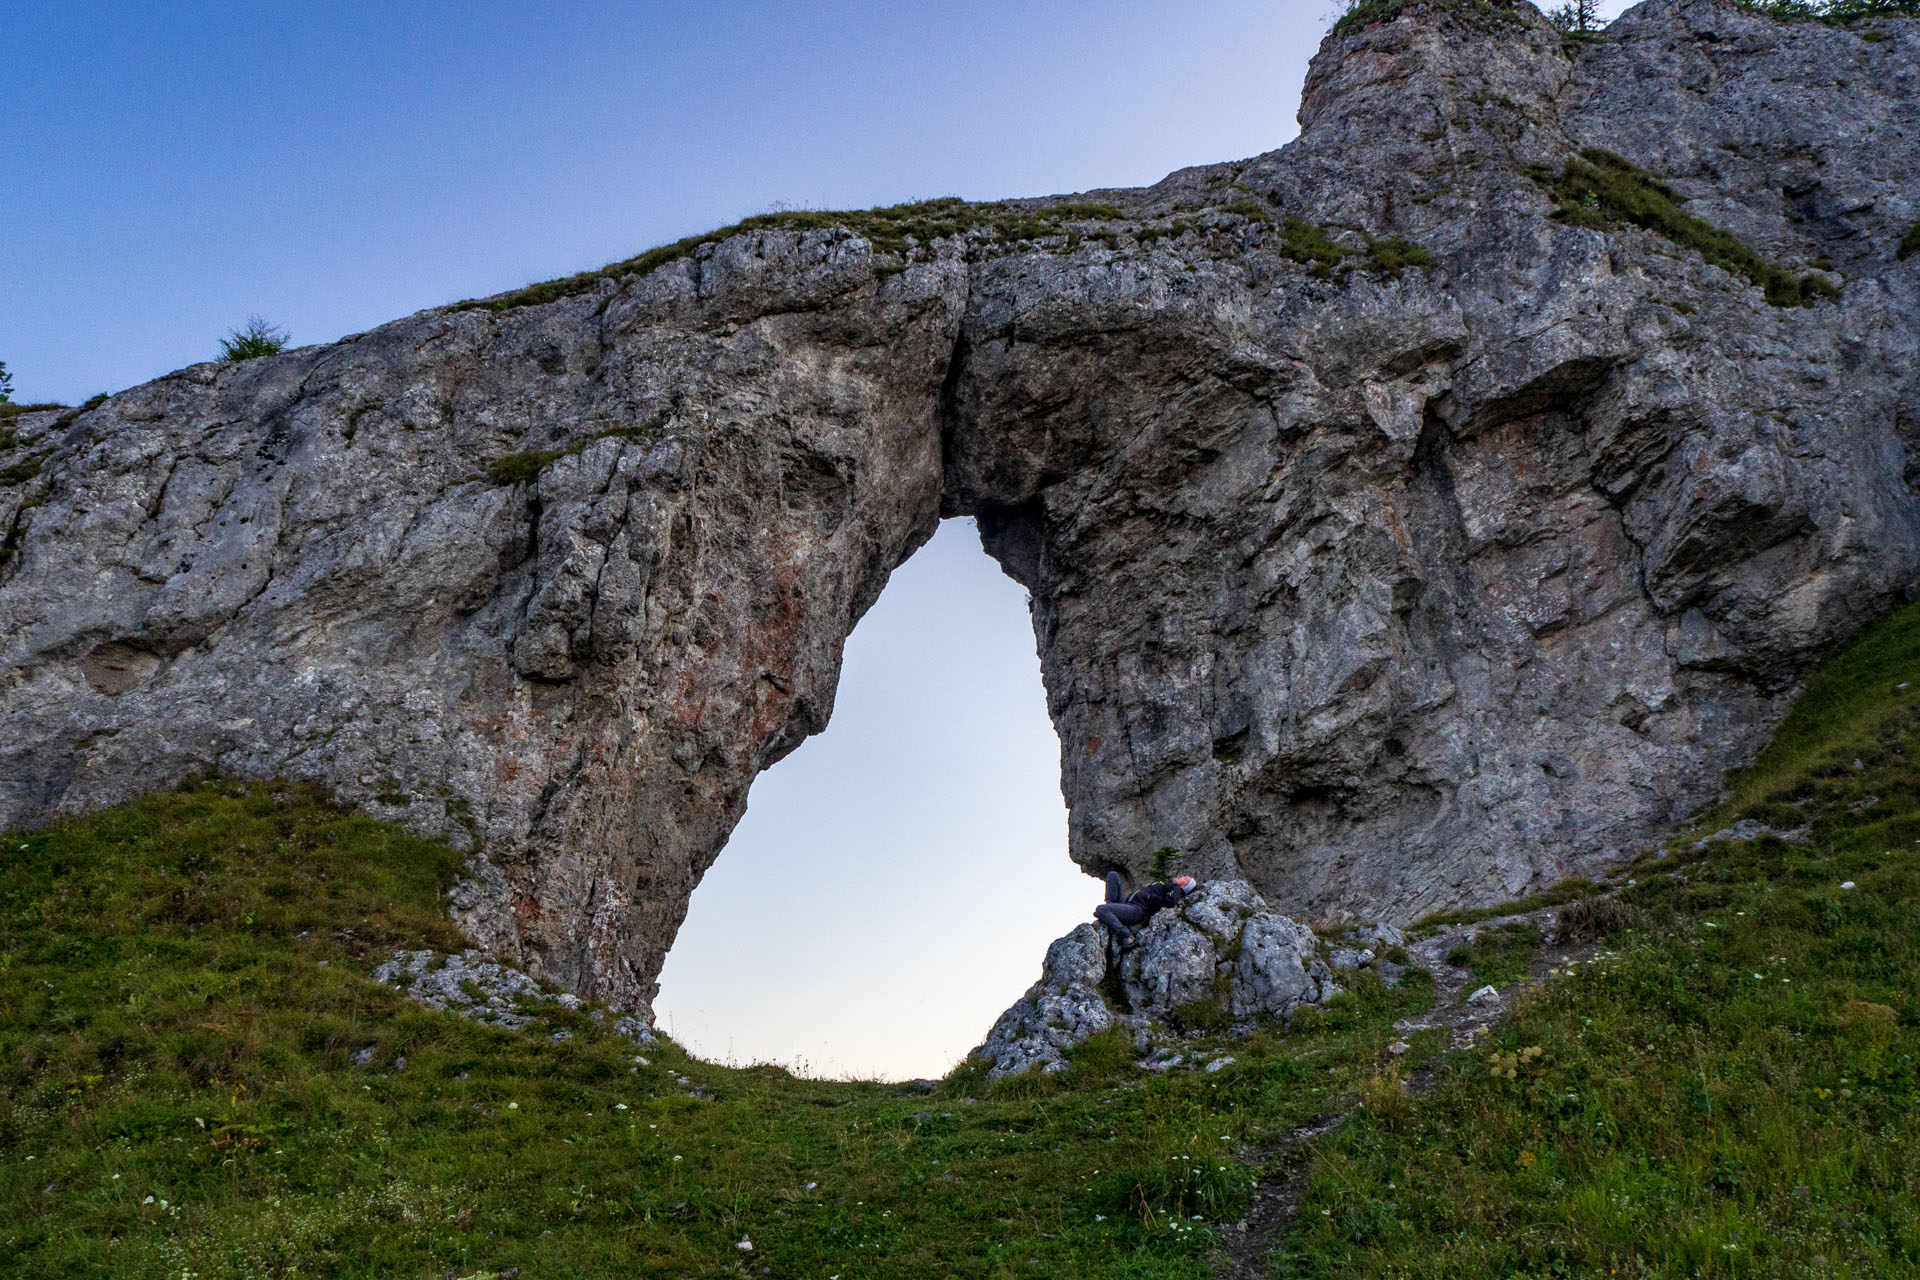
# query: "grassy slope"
168 1029
1732 1092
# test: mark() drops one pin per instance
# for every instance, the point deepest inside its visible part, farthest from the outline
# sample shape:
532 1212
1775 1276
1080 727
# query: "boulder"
1223 946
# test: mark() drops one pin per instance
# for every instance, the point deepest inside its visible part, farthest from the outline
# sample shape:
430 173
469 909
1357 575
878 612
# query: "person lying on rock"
1122 913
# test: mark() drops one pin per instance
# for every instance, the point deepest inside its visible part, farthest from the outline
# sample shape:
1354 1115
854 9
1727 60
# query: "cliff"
1415 515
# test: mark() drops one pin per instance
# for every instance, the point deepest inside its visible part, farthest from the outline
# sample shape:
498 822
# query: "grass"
1601 190
521 468
893 229
22 471
1327 259
186 984
1730 1091
1366 13
1499 955
1833 11
68 418
184 989
1566 891
525 467
252 341
10 409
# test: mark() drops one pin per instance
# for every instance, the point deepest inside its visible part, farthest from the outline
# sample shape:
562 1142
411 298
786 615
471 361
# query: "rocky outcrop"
1393 543
1223 950
471 986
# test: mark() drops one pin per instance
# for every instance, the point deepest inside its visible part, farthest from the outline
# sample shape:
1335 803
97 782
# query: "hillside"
1727 1090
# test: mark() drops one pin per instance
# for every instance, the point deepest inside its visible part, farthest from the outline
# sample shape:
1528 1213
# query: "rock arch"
1394 544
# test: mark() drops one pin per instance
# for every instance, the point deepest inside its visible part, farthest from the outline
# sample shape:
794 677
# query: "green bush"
1910 244
1365 13
1306 243
6 384
523 467
1602 190
257 338
1833 11
1577 17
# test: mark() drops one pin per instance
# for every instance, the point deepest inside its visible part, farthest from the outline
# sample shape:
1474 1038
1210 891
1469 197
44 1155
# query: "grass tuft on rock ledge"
893 229
1909 243
1327 259
1367 13
1727 1091
1601 190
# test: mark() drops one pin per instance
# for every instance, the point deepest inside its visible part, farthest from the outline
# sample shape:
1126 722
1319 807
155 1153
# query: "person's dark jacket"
1155 897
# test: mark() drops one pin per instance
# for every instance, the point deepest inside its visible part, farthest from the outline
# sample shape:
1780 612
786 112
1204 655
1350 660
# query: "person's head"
1187 884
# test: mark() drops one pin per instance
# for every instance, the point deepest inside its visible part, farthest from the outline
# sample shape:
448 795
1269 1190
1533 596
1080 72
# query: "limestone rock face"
1222 945
1380 590
1061 1010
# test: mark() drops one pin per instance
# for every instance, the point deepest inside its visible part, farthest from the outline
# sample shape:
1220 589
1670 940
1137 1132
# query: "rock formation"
1223 949
1393 542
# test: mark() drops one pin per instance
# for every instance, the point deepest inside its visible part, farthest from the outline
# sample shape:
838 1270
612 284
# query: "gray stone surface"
1222 945
1382 594
484 990
1062 1009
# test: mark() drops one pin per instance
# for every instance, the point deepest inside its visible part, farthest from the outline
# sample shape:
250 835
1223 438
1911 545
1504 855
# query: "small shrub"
1910 245
258 337
1384 1097
6 384
521 468
1832 11
1600 190
1164 860
1366 13
1592 919
1201 1016
1577 17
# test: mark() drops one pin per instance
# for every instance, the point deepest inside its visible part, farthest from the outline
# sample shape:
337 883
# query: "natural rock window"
897 878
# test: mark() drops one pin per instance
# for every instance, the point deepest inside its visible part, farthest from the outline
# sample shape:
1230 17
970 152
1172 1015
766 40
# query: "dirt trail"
1247 1243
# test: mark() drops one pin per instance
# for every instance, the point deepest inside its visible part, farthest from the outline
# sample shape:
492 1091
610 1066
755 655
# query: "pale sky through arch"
897 878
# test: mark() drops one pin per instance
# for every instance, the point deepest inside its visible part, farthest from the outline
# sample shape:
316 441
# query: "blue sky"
172 168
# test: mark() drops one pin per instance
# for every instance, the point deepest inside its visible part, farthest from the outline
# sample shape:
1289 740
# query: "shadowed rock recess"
1394 543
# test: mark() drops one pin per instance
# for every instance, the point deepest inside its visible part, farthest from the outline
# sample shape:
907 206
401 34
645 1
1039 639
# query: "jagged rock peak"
1406 526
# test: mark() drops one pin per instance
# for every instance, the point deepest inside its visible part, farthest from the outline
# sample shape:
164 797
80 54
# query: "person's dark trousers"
1116 913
